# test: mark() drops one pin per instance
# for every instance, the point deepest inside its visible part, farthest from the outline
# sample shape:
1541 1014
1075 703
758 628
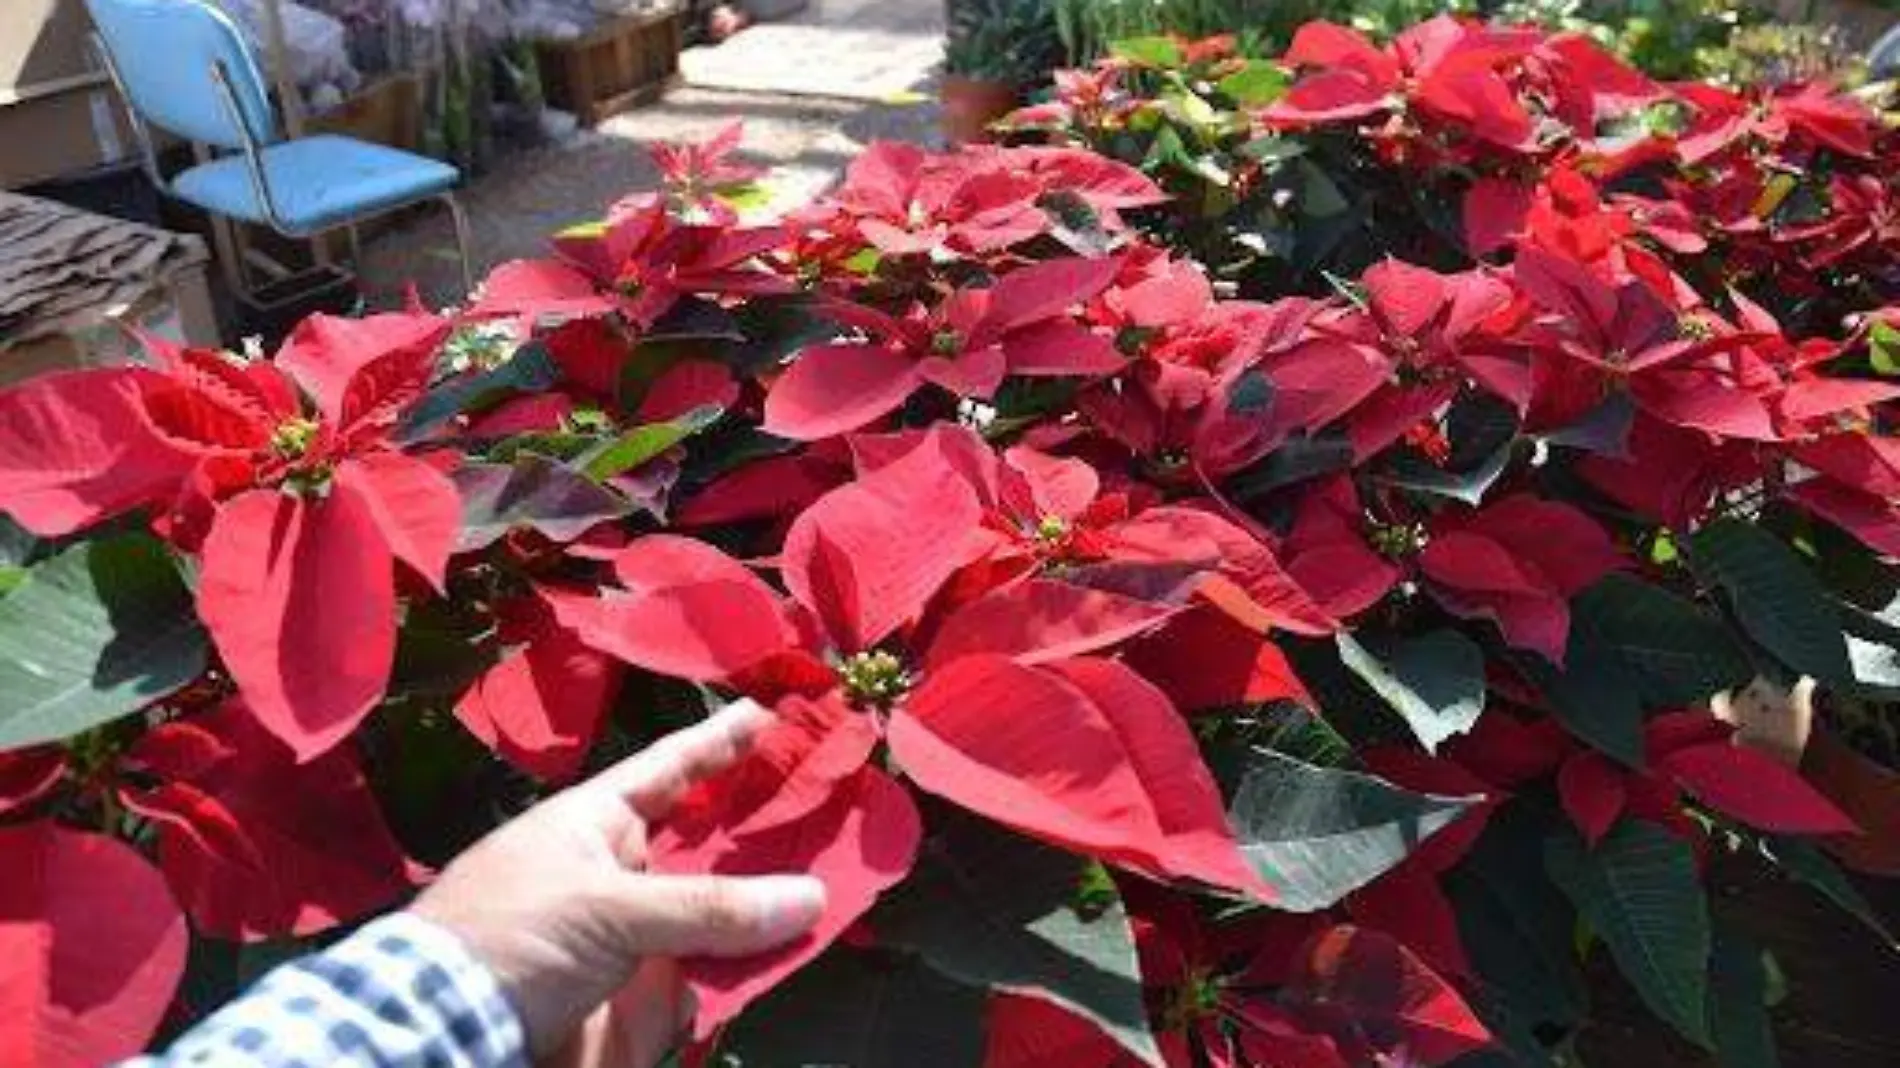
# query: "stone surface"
813 90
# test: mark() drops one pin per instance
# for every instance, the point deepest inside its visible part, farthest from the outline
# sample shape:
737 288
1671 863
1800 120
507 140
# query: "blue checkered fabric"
399 993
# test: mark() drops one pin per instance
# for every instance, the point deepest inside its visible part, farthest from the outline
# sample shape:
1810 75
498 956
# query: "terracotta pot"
1867 792
971 104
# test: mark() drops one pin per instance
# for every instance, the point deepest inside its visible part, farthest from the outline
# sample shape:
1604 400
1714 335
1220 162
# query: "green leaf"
1603 430
1738 1004
529 370
643 443
1409 472
1516 925
851 1009
1434 680
1319 194
1635 646
1151 51
1255 85
1295 460
534 492
99 631
10 578
1318 834
1777 599
1803 861
997 911
1639 891
1883 348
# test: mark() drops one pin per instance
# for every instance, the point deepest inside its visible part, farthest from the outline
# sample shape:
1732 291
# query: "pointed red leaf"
94 945
1030 1032
1408 904
300 598
859 844
833 389
76 448
323 855
1203 659
1369 982
1086 755
868 556
704 631
1045 291
413 504
353 367
541 706
1055 349
1494 211
1591 789
1754 788
1041 620
531 289
686 386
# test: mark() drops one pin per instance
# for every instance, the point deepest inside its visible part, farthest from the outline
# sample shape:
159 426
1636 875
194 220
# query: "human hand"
557 903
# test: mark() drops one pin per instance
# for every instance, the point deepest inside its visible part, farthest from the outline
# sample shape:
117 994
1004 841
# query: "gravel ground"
812 91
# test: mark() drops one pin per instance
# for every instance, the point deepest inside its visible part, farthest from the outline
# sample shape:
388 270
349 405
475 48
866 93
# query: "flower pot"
971 104
1867 792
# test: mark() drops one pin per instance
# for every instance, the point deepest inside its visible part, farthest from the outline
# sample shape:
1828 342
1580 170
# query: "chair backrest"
165 51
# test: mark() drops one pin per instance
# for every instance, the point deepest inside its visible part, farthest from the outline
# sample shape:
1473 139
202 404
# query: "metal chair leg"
356 248
461 241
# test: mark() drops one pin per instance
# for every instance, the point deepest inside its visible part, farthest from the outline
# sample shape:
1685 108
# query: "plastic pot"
971 104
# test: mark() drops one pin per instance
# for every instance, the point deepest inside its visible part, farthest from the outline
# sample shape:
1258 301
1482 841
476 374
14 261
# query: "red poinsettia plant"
1199 629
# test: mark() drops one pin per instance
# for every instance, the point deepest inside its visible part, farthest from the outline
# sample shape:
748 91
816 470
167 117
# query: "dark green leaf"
776 327
1273 148
694 319
850 1009
10 578
532 492
1635 646
1484 433
1873 652
1738 1004
1296 460
1318 834
1319 194
997 911
1152 51
529 370
1604 429
1803 861
1257 84
1434 680
1639 891
1518 928
99 631
1777 599
643 443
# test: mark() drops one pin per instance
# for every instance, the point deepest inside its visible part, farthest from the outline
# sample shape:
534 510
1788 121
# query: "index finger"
653 779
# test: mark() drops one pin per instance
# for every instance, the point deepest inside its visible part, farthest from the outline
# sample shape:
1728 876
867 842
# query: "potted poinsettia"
1240 580
993 52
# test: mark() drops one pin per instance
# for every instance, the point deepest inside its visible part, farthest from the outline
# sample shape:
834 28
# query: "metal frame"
260 182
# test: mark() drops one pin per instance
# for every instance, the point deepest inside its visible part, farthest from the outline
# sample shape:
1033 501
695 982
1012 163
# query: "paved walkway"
813 90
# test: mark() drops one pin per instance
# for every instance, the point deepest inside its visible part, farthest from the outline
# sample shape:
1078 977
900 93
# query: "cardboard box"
43 48
72 285
177 309
62 133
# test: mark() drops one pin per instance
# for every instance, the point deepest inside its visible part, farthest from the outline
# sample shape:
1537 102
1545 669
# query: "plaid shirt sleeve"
399 992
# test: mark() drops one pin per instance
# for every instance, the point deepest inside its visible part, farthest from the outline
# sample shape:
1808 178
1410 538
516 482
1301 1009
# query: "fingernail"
792 905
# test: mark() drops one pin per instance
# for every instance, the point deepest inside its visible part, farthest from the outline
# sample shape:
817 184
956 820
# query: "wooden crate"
387 111
622 63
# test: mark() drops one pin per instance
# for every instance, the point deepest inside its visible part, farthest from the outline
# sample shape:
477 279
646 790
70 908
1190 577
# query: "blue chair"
185 67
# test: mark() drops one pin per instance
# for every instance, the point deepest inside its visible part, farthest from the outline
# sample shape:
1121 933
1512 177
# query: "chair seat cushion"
317 182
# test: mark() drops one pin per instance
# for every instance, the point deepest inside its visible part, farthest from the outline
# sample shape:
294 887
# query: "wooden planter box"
620 64
387 111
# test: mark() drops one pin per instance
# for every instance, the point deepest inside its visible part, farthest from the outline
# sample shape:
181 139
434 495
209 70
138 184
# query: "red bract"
254 844
1518 562
1021 325
639 263
93 945
1692 752
1443 71
288 506
982 708
700 177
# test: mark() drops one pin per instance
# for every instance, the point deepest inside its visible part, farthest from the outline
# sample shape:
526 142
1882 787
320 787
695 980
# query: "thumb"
714 915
